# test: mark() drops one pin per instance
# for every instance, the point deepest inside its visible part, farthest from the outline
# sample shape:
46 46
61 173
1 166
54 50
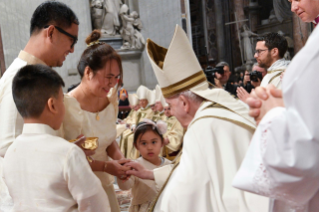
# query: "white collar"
35 128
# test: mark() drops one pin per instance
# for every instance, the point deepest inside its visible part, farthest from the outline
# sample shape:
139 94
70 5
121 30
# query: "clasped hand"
262 100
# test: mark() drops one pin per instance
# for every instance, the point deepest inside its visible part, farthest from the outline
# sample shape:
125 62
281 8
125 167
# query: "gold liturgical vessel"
91 143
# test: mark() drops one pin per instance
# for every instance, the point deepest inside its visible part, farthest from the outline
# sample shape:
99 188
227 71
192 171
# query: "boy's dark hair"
32 86
52 13
274 40
140 130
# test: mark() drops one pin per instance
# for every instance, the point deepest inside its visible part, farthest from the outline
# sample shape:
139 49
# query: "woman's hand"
117 168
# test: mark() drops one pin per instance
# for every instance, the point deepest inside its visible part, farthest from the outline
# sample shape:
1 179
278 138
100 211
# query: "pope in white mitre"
217 137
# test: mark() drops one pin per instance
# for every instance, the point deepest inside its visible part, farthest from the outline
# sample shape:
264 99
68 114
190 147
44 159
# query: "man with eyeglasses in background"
269 53
53 34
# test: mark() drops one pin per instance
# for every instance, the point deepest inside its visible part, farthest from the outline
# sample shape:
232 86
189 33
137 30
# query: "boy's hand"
80 140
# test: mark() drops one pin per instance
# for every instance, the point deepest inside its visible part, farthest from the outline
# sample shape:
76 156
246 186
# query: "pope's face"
307 10
176 106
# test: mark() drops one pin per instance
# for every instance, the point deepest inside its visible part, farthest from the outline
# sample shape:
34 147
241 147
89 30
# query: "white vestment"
274 72
47 173
143 191
11 122
285 146
210 159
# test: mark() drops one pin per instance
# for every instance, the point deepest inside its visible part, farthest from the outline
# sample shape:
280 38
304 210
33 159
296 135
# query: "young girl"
148 139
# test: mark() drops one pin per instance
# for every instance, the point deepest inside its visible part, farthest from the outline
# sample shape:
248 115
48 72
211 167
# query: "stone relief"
113 18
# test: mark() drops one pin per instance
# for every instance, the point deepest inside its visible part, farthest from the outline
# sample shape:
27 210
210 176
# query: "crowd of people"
187 145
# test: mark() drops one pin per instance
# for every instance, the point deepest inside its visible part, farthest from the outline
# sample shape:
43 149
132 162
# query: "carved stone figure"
105 16
130 34
246 34
272 17
97 13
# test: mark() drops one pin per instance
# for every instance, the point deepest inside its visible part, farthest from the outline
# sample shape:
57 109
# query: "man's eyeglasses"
258 51
75 39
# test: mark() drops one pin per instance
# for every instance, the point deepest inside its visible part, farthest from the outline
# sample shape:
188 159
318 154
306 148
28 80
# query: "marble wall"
159 19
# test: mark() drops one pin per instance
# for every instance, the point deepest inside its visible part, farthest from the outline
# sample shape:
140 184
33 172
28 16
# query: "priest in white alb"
283 159
217 137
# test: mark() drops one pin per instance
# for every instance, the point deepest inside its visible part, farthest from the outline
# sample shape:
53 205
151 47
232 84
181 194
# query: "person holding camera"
255 78
219 76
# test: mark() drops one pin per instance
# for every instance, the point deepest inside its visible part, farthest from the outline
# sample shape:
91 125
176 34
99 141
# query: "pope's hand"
80 140
139 171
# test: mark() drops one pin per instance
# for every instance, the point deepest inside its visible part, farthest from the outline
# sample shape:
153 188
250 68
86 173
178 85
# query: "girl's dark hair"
141 130
97 55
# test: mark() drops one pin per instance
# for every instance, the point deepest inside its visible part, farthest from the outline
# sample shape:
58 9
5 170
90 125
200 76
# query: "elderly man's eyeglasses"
75 39
258 51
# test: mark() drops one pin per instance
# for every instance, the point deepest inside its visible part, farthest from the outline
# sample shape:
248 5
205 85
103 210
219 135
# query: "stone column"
301 32
239 10
220 29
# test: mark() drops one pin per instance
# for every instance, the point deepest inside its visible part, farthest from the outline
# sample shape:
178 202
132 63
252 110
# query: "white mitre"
152 97
142 92
133 99
177 69
159 95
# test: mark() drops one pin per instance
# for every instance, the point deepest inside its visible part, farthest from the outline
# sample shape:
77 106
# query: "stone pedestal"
115 41
132 68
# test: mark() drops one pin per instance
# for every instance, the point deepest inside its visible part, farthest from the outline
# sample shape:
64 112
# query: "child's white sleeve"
84 186
161 174
126 185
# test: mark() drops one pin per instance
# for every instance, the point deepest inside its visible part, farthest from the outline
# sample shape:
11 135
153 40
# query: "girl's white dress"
143 191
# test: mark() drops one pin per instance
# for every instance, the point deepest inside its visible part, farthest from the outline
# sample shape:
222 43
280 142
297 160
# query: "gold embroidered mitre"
176 68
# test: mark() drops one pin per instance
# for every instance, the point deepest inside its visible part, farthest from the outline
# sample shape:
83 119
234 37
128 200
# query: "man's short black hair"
52 13
32 86
274 40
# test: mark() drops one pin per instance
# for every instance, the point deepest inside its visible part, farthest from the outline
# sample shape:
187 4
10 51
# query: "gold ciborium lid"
91 143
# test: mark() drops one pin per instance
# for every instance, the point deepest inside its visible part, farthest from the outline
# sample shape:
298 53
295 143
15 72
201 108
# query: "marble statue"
130 32
97 13
105 16
272 17
246 34
112 17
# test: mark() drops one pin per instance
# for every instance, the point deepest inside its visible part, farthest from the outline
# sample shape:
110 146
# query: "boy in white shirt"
44 172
